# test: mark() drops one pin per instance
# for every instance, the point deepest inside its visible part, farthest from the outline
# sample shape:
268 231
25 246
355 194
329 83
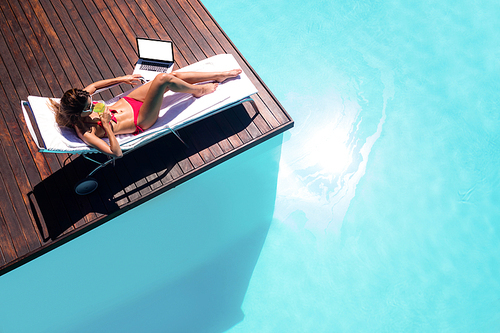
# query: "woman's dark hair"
68 110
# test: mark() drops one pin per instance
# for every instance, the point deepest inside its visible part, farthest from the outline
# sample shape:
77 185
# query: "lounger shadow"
58 209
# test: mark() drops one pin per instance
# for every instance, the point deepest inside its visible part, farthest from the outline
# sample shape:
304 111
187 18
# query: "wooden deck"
49 46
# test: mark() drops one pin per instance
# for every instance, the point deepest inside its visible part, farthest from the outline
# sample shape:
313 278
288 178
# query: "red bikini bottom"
136 106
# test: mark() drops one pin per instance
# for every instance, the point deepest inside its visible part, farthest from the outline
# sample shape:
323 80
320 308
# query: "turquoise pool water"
378 212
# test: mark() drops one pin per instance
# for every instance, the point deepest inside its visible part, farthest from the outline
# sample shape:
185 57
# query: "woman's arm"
114 146
130 79
89 137
92 140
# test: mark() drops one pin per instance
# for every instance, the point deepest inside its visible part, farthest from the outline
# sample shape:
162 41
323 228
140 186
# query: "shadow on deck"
58 209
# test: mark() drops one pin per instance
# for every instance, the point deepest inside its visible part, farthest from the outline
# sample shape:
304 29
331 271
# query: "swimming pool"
387 207
378 212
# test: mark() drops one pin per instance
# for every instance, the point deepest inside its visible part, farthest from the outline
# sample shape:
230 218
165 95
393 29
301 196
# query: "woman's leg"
196 77
188 77
151 94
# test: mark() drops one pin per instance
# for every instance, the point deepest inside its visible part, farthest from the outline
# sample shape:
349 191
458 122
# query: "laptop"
155 56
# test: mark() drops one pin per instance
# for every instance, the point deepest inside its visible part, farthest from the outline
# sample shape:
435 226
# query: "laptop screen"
152 49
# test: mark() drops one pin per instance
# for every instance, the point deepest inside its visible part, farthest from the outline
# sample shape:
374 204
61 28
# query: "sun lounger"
178 110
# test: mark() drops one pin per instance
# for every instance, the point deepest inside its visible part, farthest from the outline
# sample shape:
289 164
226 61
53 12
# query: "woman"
132 114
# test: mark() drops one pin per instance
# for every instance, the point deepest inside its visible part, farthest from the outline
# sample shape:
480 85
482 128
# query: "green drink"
99 107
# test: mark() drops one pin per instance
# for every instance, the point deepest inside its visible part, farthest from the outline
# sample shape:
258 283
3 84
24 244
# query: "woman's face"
88 108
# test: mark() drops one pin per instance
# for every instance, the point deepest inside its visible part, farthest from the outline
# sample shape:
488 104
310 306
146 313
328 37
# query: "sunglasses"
90 108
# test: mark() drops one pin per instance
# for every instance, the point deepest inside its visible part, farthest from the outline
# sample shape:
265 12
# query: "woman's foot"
228 74
205 89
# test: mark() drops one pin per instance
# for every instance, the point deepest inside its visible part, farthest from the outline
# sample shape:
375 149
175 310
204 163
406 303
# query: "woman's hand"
131 79
114 147
105 116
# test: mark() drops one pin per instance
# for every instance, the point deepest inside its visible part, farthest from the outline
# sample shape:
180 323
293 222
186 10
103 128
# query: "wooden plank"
13 165
139 165
15 231
75 207
246 120
2 258
11 53
14 87
125 179
223 142
47 39
97 22
21 49
116 197
197 138
32 43
6 245
96 44
172 159
198 25
18 55
237 126
62 44
205 141
69 199
168 157
126 21
17 180
226 129
26 177
38 218
116 30
137 29
191 152
16 200
91 54
70 42
150 27
186 29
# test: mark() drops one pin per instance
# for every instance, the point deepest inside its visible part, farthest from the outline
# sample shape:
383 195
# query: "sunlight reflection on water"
327 154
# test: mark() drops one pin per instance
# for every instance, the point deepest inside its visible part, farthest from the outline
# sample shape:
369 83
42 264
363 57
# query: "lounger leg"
101 165
89 184
66 160
254 106
178 137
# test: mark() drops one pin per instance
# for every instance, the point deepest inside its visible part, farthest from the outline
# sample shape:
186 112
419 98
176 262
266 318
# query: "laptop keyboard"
155 67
